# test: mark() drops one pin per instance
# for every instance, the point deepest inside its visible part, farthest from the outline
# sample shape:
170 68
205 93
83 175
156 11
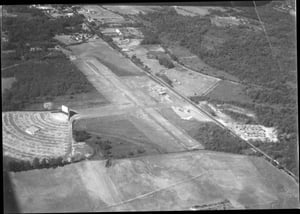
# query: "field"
130 130
190 83
117 63
227 91
132 9
189 126
141 52
66 39
52 140
196 11
76 101
101 14
159 182
6 83
126 139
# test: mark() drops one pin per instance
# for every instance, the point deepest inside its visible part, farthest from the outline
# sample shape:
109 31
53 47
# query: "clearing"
132 9
6 83
160 182
196 11
109 57
228 91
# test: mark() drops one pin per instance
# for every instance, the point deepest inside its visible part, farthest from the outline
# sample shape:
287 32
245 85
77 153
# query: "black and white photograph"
149 106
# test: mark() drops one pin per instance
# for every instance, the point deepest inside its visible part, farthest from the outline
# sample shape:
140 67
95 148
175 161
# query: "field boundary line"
158 190
210 88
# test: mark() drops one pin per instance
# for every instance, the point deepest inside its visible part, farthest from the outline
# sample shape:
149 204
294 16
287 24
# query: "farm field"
101 14
228 91
112 126
159 182
132 9
196 11
130 130
99 49
51 140
6 83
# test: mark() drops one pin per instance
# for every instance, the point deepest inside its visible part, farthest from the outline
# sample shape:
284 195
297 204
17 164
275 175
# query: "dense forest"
217 139
36 29
43 80
41 75
245 53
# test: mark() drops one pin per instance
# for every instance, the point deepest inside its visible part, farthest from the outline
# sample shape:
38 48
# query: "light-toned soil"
196 10
132 9
159 182
101 14
6 83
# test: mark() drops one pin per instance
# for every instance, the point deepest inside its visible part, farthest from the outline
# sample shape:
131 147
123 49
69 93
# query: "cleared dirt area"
160 182
132 9
229 91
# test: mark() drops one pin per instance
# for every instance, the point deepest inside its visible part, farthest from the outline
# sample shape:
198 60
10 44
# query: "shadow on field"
10 204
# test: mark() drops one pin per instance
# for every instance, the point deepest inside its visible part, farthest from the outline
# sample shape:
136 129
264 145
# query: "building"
32 130
34 49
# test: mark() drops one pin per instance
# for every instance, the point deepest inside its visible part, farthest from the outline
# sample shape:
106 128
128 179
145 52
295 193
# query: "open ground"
132 9
196 11
6 83
159 182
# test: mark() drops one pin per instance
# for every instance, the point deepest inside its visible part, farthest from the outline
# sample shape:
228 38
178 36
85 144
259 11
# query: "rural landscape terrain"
149 107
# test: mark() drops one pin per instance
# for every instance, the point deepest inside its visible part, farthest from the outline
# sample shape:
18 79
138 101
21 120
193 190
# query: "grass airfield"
175 181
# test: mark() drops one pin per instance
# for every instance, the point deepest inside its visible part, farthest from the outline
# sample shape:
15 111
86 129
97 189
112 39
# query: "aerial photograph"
149 107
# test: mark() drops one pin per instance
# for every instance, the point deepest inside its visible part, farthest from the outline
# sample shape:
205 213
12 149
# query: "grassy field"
190 126
125 140
228 91
117 63
190 83
6 83
160 182
196 11
132 9
76 101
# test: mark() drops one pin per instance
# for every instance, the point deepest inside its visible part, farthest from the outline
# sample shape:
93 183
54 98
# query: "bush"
80 136
166 62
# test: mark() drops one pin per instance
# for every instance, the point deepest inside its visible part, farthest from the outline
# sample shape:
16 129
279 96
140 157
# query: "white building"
32 130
